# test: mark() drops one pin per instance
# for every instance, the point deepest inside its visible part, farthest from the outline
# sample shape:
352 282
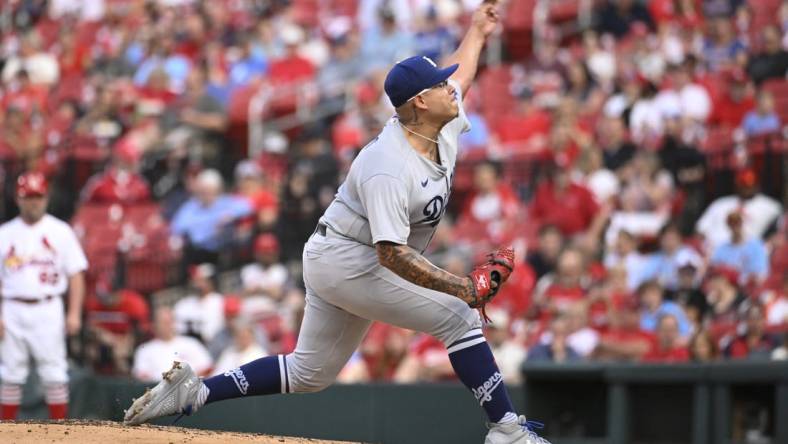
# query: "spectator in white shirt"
508 352
41 66
201 315
156 356
243 349
759 212
684 98
623 252
267 276
581 338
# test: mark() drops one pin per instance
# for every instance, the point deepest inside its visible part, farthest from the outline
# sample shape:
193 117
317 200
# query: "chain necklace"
417 134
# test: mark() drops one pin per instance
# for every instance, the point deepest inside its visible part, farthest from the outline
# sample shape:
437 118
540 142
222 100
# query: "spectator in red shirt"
383 350
116 321
681 12
515 296
624 340
25 96
728 303
735 102
18 140
292 68
74 59
427 361
155 96
253 185
667 348
567 205
526 127
120 183
556 292
755 343
493 209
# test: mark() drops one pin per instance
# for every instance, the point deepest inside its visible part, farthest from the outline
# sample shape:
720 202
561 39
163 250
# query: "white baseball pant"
37 331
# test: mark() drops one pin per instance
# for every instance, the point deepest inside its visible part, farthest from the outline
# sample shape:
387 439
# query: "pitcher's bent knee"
304 378
456 326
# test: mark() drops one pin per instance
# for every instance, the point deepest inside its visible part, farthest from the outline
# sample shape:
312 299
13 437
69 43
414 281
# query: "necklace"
417 134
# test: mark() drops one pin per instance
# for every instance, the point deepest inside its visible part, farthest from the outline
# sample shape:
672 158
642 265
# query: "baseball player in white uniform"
364 262
41 259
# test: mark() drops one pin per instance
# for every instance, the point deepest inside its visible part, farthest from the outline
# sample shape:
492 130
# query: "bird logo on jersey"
47 245
11 260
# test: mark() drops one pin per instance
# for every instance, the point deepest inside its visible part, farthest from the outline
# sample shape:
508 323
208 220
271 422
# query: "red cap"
366 94
232 305
626 302
127 150
31 184
639 29
266 243
736 75
730 274
746 177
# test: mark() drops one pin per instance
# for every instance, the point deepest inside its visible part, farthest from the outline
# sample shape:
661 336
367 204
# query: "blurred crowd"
637 165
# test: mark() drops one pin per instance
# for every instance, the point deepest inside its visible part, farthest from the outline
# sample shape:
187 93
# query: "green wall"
580 404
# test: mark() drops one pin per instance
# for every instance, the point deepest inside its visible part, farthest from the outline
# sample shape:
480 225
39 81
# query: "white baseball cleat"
176 393
515 432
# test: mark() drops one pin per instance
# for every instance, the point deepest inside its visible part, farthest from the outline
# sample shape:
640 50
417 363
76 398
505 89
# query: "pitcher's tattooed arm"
408 264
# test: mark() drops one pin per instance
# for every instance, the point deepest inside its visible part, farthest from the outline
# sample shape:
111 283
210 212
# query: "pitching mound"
95 432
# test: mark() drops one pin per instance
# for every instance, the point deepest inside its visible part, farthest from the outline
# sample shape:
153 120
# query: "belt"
323 230
46 298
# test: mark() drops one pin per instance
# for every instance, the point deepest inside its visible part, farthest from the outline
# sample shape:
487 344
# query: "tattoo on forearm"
415 268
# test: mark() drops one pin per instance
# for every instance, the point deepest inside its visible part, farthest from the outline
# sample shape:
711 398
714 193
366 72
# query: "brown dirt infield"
103 432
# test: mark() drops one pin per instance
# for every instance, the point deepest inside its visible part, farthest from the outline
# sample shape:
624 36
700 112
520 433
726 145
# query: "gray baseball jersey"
392 193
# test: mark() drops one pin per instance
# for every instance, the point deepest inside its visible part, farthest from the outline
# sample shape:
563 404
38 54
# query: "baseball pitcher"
41 259
364 261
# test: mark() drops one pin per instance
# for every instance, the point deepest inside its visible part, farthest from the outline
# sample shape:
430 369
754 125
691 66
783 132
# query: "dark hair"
670 226
703 334
547 228
648 285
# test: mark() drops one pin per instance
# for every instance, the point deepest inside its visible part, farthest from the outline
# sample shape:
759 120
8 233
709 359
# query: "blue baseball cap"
410 77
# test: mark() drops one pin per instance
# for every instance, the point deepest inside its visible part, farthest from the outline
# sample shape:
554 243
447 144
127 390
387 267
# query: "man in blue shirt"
663 265
205 218
655 306
748 256
763 119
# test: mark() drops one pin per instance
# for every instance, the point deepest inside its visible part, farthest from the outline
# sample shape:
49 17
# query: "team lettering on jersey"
14 262
436 207
434 210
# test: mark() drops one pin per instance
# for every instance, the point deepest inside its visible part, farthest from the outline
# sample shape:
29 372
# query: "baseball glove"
497 268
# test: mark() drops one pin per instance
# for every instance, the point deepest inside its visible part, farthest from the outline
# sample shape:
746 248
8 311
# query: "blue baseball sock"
264 376
474 364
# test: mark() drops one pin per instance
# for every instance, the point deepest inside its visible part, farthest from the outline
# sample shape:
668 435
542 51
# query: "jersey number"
48 278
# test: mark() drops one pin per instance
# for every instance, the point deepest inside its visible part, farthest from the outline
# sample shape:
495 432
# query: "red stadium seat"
717 139
347 8
496 99
306 12
778 88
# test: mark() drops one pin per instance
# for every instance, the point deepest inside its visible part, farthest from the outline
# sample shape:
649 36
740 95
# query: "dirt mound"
94 432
